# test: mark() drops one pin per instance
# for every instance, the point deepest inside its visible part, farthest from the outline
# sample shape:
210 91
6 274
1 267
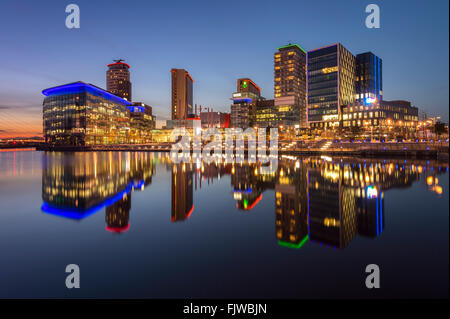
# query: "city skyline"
31 63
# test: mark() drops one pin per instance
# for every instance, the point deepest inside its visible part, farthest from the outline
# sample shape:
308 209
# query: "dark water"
139 226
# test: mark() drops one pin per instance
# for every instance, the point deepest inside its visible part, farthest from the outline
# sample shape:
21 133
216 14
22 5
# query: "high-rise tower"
369 78
290 85
182 95
118 79
331 84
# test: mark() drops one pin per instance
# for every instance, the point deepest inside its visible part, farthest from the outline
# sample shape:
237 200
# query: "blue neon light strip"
81 87
381 213
377 213
136 108
75 213
240 100
248 191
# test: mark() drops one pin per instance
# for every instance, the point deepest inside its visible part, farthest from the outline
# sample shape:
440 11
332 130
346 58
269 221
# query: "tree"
439 128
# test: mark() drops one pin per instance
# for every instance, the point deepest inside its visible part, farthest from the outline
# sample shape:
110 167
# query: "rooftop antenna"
119 60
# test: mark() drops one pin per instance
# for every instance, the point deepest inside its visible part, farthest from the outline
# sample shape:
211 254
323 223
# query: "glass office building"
81 114
331 84
142 123
369 78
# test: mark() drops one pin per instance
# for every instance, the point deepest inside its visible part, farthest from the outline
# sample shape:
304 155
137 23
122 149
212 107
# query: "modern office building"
290 85
369 78
182 94
250 109
142 122
82 114
247 85
381 117
266 114
244 103
118 79
331 84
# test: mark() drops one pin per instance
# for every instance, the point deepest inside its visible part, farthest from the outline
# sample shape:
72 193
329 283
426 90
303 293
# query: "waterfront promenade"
323 147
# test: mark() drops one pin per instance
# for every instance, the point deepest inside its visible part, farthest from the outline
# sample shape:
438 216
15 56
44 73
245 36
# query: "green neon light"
244 85
291 245
245 203
292 45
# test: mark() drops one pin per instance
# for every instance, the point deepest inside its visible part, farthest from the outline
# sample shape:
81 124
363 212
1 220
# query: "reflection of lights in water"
330 222
371 192
430 180
331 175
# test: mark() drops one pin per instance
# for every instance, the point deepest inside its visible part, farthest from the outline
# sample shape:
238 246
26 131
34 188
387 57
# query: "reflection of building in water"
247 188
370 212
208 172
118 214
347 197
76 185
332 218
291 207
182 191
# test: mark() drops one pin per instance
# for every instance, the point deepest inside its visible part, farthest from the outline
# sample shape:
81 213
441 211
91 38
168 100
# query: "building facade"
266 114
244 104
381 117
182 94
290 85
369 78
142 123
331 84
118 79
215 119
82 114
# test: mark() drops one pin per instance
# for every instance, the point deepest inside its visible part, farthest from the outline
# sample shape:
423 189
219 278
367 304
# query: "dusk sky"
216 41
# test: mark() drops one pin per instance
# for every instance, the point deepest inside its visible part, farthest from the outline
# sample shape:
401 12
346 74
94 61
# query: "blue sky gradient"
217 42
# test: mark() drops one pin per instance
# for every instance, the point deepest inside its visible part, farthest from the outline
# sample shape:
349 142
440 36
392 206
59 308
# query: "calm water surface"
140 226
